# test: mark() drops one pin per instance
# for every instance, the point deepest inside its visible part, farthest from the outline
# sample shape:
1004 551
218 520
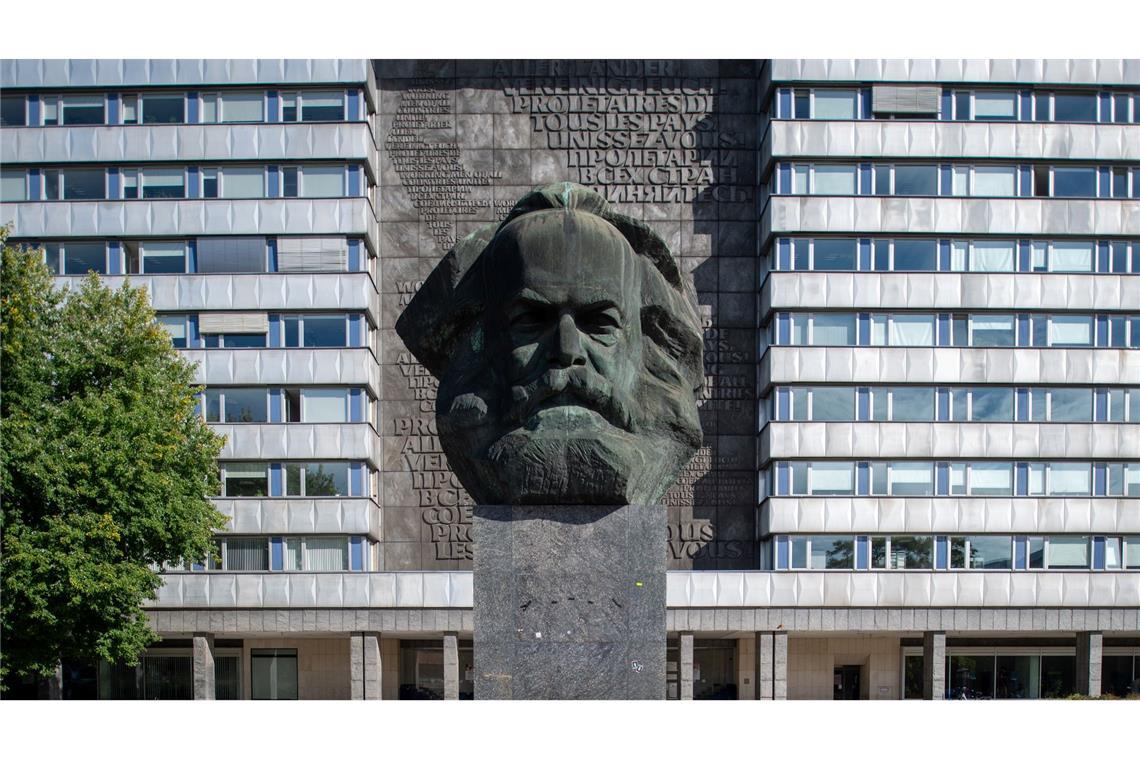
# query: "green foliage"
106 469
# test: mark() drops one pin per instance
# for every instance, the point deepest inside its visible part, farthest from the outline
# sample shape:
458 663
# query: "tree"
106 467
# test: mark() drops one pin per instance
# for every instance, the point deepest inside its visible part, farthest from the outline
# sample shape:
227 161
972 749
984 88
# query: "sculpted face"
568 365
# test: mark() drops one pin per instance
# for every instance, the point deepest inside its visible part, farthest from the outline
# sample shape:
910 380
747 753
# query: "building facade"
921 288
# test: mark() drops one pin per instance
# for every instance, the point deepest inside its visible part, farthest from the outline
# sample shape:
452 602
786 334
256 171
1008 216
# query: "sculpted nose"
568 343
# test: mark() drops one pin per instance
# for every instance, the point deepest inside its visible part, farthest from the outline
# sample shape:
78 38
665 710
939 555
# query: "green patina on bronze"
567 345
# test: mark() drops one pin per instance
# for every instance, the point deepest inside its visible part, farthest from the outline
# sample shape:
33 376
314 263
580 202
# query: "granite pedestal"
569 602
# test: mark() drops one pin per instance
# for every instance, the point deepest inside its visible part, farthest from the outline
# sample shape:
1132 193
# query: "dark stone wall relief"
671 142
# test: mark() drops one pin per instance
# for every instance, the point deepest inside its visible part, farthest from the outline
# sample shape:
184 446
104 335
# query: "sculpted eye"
599 321
528 318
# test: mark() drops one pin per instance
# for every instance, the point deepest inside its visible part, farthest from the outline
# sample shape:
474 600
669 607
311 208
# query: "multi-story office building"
922 284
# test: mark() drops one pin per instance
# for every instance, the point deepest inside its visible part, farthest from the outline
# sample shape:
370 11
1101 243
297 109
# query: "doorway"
846 682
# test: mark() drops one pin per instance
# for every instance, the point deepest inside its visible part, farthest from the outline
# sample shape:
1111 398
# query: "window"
322 181
322 106
209 183
1074 106
176 326
836 104
290 183
991 479
242 182
164 109
273 673
1070 330
313 479
231 254
992 256
49 110
995 106
1067 552
242 107
834 255
130 109
981 552
83 109
324 405
833 330
835 180
74 184
995 181
81 258
13 111
316 331
245 479
1069 404
915 255
1071 257
163 183
911 553
911 330
234 340
236 405
823 552
916 180
245 554
991 330
312 254
991 404
316 554
12 185
1132 552
1069 479
910 479
911 404
832 479
157 257
1074 182
288 106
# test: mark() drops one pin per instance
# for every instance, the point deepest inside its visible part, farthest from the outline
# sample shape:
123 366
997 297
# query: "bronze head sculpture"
568 349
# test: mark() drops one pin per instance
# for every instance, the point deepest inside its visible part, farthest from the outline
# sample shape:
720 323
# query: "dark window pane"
1058 676
1072 405
231 254
213 405
245 405
801 255
51 257
273 673
835 255
1041 181
913 404
246 480
13 112
916 180
325 332
322 107
168 677
970 677
916 255
911 553
803 104
991 553
83 110
289 182
993 404
244 340
164 109
1074 182
81 258
326 479
882 180
1077 106
832 553
292 332
882 261
83 184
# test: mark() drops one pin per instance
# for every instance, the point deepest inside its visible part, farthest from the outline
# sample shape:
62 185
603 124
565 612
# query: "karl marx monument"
568 349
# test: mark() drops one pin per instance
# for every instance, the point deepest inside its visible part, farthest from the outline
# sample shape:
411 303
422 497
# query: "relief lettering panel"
670 142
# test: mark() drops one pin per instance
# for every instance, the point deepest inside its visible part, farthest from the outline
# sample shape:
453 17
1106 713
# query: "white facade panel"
949 216
60 73
300 441
949 291
277 516
946 515
297 590
190 143
1007 366
287 366
943 440
913 589
348 291
1101 71
190 218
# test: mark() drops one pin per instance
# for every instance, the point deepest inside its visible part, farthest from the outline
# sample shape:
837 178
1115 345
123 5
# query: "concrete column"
779 665
934 665
686 666
365 666
764 665
451 665
52 686
746 668
1090 645
204 679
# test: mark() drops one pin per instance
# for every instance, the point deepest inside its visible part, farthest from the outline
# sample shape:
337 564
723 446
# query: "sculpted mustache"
593 390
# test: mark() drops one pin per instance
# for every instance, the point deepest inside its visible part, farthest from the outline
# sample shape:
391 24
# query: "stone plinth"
569 602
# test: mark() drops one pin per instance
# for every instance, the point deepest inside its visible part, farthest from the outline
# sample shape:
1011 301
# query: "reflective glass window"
916 180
